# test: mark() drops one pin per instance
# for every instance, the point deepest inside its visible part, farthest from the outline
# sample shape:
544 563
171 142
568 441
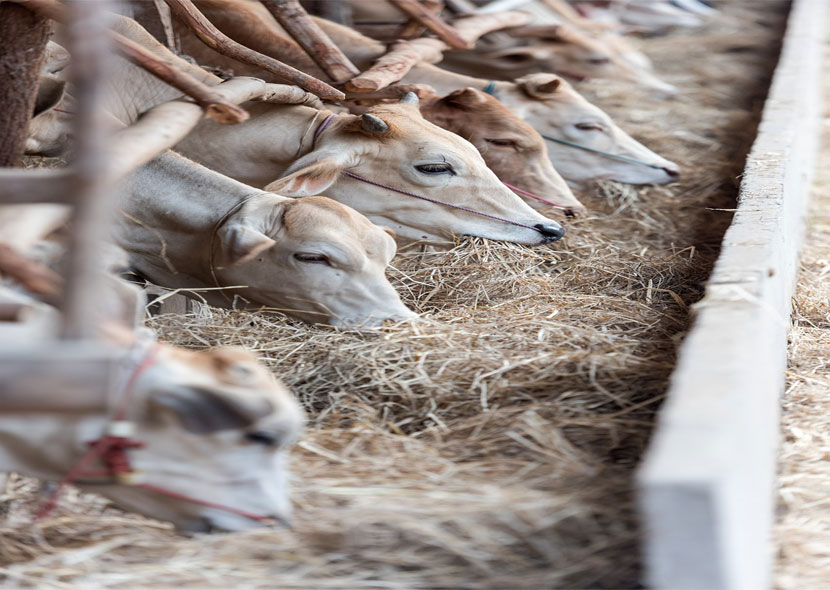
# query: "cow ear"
239 242
310 175
49 94
464 98
543 86
203 409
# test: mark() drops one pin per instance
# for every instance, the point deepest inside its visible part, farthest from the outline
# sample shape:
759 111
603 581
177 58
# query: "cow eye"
263 437
502 142
590 126
312 258
443 168
598 61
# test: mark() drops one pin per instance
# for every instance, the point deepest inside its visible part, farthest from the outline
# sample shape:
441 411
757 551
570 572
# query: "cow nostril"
672 172
552 232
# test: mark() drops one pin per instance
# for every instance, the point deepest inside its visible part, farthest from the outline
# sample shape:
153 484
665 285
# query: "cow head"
510 147
217 426
554 109
314 258
394 145
568 52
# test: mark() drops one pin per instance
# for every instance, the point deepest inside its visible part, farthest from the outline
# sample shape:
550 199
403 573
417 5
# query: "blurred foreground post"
23 37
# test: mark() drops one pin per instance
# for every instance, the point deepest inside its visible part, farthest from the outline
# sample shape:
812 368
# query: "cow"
214 427
545 101
185 226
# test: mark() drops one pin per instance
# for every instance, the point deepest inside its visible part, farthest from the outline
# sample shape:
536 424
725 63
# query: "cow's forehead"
319 218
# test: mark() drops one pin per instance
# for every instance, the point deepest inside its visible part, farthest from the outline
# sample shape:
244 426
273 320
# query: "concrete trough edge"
706 487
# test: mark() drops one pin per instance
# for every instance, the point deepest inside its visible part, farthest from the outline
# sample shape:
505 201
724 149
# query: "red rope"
436 201
568 211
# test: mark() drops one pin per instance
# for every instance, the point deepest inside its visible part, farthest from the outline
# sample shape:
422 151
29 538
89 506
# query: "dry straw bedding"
491 443
802 532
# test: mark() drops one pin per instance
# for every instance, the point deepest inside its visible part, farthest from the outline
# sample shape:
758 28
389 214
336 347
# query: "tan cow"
570 53
546 102
315 259
510 147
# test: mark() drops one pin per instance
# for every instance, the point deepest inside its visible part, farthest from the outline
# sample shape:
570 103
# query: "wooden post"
83 273
314 41
23 37
190 16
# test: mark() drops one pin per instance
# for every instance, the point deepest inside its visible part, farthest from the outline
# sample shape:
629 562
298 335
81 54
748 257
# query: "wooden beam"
432 22
296 21
394 65
28 186
190 16
216 107
472 28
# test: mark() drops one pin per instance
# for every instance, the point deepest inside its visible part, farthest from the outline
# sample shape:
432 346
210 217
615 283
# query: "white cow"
188 227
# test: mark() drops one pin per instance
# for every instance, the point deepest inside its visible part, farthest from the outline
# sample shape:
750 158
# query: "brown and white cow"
216 426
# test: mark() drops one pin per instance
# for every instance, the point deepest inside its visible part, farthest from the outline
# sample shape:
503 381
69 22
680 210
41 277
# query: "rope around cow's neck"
490 89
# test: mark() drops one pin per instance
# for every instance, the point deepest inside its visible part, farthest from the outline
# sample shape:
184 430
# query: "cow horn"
409 98
373 123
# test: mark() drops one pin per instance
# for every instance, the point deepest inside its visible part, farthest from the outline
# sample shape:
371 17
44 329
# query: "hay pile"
802 533
491 443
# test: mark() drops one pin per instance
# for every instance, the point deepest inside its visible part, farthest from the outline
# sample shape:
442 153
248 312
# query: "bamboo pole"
216 107
296 21
190 16
432 22
84 272
395 64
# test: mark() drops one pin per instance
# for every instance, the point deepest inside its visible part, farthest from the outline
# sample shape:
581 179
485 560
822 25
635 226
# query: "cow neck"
173 198
443 81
